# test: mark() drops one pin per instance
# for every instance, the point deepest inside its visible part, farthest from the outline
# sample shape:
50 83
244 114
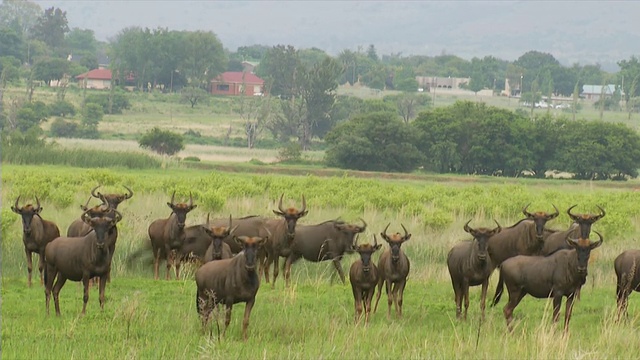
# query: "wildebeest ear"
170 205
234 229
303 213
208 231
407 238
39 209
240 239
260 241
572 242
277 212
193 207
354 247
377 247
15 210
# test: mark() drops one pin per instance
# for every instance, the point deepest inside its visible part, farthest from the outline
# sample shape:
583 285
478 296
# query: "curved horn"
208 220
38 203
304 205
230 222
597 243
16 205
499 228
572 216
384 232
190 200
598 217
85 216
86 206
280 204
130 194
525 212
355 241
93 192
554 215
118 216
375 240
467 228
173 196
406 233
364 223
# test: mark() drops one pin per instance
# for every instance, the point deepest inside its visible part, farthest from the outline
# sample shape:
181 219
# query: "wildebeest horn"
16 205
173 197
375 240
597 243
190 200
208 220
525 212
499 228
85 216
118 217
572 216
130 194
554 215
384 232
406 233
93 192
304 205
364 223
38 203
355 241
86 206
280 204
598 217
230 222
467 228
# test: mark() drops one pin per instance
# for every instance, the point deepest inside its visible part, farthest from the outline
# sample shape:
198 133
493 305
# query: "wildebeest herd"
235 253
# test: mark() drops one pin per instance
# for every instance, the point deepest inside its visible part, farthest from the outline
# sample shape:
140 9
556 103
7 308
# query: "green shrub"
292 152
62 108
191 158
63 128
161 141
120 102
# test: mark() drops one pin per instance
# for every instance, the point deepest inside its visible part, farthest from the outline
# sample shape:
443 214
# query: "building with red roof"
236 83
95 79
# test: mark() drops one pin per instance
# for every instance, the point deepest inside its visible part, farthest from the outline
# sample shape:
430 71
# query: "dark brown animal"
281 231
526 237
329 240
36 234
363 276
394 268
167 236
80 259
580 228
218 249
79 227
555 276
469 264
627 267
228 282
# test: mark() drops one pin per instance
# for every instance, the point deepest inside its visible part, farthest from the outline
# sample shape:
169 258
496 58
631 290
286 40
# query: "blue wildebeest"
363 276
80 228
329 240
555 276
167 236
36 234
394 268
526 237
81 258
627 267
469 264
218 249
228 282
581 227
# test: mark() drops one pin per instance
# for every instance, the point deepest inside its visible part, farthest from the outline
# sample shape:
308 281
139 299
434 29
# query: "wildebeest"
469 264
36 234
394 267
218 249
329 240
559 274
282 231
580 228
526 237
79 227
80 259
627 270
167 235
363 276
228 282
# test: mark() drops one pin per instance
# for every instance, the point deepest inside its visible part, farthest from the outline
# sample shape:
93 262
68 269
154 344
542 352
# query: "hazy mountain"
573 31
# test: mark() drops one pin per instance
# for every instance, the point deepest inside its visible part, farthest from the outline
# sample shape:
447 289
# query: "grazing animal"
363 276
394 268
167 236
555 276
470 265
36 234
627 267
581 227
218 249
228 282
526 237
329 240
79 227
282 232
80 259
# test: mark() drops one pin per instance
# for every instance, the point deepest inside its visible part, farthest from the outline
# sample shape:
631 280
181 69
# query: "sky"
586 32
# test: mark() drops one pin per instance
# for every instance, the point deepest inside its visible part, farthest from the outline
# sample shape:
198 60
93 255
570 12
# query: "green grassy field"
313 318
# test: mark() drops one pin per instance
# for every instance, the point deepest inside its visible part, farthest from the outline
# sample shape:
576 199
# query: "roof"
96 74
236 77
597 89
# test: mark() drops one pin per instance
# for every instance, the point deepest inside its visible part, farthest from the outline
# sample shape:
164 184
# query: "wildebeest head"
250 246
218 234
349 231
181 209
540 219
27 213
585 220
291 215
112 199
366 251
583 249
481 238
99 210
395 241
101 225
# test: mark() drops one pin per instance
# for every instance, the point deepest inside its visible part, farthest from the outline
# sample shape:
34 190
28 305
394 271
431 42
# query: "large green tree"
204 58
51 28
19 15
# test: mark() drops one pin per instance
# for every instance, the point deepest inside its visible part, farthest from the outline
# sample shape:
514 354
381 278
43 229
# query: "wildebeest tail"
499 290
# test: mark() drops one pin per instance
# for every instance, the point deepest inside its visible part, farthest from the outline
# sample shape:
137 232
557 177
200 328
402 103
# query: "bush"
62 108
63 128
191 158
92 114
120 102
162 142
292 152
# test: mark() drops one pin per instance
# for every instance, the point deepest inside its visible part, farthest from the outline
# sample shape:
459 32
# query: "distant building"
594 92
95 79
428 82
249 66
236 83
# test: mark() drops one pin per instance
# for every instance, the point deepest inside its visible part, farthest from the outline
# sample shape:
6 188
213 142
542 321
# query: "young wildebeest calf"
470 265
218 249
627 266
363 276
36 234
394 268
167 236
228 282
554 276
80 259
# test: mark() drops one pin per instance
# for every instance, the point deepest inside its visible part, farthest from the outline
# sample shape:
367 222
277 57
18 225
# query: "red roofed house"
236 83
95 79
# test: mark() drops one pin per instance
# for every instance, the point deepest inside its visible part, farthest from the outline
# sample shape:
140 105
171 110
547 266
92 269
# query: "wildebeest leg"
557 303
483 296
367 303
85 298
390 298
245 320
465 293
156 264
457 290
56 291
41 266
261 259
568 308
287 266
622 294
399 288
176 263
515 296
499 290
227 316
102 285
29 266
276 268
338 265
49 275
204 307
357 298
380 284
170 260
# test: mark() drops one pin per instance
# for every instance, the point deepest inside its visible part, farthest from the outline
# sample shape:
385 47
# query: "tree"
193 95
132 53
82 40
19 15
204 58
408 104
49 69
280 67
11 43
51 28
255 111
162 142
